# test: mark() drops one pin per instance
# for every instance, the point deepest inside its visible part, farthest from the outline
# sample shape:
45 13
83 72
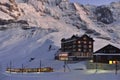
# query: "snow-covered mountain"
29 27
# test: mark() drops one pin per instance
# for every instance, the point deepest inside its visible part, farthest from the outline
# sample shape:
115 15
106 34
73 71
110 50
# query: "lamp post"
96 62
40 65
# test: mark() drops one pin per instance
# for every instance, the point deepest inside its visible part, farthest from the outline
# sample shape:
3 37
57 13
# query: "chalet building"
78 47
108 54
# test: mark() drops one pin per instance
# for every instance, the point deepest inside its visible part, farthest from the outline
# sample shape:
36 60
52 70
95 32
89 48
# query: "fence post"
116 67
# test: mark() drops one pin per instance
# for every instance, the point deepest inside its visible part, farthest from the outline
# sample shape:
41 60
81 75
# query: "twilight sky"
94 2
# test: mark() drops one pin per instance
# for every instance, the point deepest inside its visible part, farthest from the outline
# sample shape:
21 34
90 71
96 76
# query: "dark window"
98 58
90 50
85 50
109 57
85 46
79 45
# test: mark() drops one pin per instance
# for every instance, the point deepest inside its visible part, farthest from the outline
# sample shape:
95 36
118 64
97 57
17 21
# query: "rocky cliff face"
10 8
104 15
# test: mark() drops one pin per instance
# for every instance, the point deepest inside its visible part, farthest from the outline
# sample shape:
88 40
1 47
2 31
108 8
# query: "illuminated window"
110 62
84 38
84 42
90 42
90 46
114 62
78 42
79 49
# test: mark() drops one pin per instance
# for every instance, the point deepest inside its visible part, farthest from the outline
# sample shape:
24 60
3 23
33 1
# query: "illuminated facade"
78 47
108 54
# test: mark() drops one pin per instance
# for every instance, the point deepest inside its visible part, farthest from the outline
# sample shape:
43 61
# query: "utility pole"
96 63
10 66
68 67
22 68
64 65
40 65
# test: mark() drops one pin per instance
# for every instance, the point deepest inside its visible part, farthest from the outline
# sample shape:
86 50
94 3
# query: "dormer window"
84 38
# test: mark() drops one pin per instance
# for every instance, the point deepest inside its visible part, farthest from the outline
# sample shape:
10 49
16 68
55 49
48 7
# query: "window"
109 57
74 46
90 42
112 51
70 46
74 42
79 42
84 50
90 46
87 54
85 46
90 50
74 49
104 51
84 42
79 45
79 49
84 38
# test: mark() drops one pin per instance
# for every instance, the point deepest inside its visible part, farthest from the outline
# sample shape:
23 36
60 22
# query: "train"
29 70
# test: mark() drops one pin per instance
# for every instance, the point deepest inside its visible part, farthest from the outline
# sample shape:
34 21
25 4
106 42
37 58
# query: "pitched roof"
75 37
108 48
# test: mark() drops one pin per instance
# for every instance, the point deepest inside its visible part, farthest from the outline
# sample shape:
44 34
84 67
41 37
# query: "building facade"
78 47
107 54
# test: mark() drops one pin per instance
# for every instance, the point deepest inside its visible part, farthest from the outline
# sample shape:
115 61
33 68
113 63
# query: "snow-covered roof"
106 54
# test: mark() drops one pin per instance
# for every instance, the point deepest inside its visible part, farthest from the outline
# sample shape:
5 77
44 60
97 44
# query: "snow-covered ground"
68 75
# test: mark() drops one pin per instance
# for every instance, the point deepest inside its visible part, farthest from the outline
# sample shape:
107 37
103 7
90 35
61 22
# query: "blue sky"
94 2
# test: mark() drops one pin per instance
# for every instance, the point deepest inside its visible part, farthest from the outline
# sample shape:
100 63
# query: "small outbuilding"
108 54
